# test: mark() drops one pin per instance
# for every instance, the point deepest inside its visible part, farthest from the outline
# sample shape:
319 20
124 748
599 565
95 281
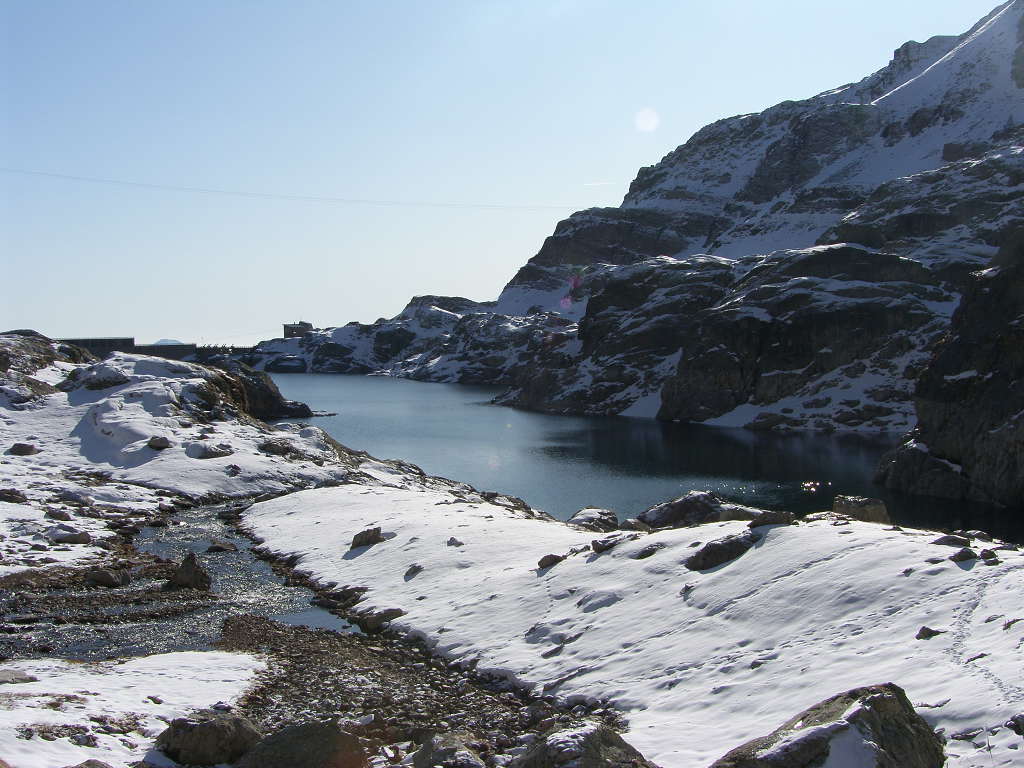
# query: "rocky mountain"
787 269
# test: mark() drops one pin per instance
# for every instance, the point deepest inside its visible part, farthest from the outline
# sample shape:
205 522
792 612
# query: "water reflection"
561 463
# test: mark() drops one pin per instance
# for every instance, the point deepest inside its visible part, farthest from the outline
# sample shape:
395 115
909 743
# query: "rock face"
873 727
209 739
783 270
969 441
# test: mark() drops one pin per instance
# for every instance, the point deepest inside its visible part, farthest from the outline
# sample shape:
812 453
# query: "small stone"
218 545
65 534
12 496
22 449
927 633
414 570
57 514
648 551
158 442
453 542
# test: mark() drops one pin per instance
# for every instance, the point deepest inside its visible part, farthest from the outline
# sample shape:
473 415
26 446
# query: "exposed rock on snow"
695 508
592 746
720 551
873 727
862 508
595 519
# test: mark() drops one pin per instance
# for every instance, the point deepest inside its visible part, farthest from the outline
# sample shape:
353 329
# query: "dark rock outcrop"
257 393
873 727
969 441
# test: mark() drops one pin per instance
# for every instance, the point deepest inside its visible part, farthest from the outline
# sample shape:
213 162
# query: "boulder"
374 621
75 496
210 738
448 750
595 519
927 633
964 555
871 727
862 508
205 450
367 538
158 442
549 560
590 746
57 514
22 449
610 542
771 517
190 574
307 745
720 551
695 508
12 676
12 495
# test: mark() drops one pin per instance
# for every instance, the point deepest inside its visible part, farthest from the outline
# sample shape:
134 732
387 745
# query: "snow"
88 695
811 611
23 526
107 430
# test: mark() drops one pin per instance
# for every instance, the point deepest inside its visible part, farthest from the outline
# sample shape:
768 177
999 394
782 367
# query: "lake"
562 463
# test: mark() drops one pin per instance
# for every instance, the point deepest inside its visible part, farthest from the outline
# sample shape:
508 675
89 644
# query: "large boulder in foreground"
208 739
969 440
307 745
592 746
871 727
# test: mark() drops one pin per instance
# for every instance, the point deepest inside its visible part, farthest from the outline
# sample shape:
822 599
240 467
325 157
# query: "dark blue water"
562 463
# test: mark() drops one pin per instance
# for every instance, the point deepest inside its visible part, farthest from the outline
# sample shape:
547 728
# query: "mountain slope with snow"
634 309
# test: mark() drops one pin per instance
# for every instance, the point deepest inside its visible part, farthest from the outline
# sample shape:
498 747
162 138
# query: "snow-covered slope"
699 661
919 163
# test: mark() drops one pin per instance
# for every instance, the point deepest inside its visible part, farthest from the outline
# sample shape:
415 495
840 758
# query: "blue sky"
545 107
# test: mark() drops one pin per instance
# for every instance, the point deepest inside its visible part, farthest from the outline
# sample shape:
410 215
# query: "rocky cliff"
969 441
788 269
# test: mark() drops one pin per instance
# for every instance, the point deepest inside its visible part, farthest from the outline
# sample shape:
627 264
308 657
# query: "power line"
276 196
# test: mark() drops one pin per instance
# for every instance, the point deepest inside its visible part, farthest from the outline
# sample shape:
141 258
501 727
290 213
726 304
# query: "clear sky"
541 107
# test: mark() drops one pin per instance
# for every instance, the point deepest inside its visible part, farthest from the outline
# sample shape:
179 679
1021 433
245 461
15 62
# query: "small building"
297 330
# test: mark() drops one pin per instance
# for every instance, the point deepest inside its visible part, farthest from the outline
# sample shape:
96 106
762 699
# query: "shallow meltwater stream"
142 618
